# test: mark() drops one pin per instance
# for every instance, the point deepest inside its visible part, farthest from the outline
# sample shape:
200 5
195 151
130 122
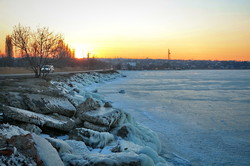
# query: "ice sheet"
201 115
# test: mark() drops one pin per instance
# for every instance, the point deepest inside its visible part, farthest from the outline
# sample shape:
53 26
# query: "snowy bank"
95 132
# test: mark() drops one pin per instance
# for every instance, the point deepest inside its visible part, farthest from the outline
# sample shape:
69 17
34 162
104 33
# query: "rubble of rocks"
94 132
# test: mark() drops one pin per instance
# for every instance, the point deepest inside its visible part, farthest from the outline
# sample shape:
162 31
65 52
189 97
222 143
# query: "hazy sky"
192 29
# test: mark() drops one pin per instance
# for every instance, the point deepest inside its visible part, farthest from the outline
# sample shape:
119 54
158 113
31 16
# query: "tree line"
40 47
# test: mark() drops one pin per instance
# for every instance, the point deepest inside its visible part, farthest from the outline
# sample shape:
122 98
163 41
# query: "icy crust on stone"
79 147
46 104
19 147
105 117
75 87
36 118
47 153
140 135
60 145
92 138
7 131
128 146
77 153
109 151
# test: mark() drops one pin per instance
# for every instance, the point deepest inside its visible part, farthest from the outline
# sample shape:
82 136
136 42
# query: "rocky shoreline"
58 121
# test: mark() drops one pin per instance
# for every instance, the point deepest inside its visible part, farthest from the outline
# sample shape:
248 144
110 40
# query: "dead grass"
21 70
14 70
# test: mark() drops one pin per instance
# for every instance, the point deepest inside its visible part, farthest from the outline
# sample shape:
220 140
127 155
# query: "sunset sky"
192 29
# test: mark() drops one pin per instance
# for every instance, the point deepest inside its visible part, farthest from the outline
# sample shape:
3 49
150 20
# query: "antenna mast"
169 53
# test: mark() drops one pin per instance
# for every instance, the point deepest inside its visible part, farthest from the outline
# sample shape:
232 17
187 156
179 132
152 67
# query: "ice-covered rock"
79 147
72 159
123 132
60 145
48 104
138 134
119 159
31 128
128 146
36 118
70 151
95 127
76 153
104 117
14 99
122 91
7 131
36 147
114 159
91 138
107 105
88 105
80 82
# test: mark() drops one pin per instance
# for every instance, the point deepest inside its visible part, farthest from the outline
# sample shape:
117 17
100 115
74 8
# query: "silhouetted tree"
65 50
38 47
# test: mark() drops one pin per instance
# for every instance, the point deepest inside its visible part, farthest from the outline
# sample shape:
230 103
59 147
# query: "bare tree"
39 47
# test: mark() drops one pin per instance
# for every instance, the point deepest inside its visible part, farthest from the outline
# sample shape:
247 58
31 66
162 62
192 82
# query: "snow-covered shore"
95 133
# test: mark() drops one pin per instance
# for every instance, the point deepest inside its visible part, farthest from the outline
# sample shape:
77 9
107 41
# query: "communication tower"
169 53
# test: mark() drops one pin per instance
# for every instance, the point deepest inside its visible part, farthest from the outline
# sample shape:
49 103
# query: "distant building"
128 66
132 64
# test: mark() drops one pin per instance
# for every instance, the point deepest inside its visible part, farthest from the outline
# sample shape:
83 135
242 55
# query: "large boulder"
9 155
38 148
65 124
7 131
104 117
88 105
60 145
91 138
95 127
128 146
69 146
139 135
48 104
14 99
107 105
25 148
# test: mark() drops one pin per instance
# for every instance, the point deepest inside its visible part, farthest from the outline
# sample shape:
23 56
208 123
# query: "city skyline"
198 30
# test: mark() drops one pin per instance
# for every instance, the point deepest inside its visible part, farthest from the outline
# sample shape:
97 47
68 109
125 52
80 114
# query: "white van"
47 69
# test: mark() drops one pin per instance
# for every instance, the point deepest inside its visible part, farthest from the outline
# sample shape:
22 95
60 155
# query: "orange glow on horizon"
200 51
192 30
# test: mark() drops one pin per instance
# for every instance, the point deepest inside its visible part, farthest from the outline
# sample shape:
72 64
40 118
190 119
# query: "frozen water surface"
200 115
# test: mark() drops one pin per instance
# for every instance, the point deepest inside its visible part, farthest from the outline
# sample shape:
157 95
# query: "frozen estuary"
200 115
